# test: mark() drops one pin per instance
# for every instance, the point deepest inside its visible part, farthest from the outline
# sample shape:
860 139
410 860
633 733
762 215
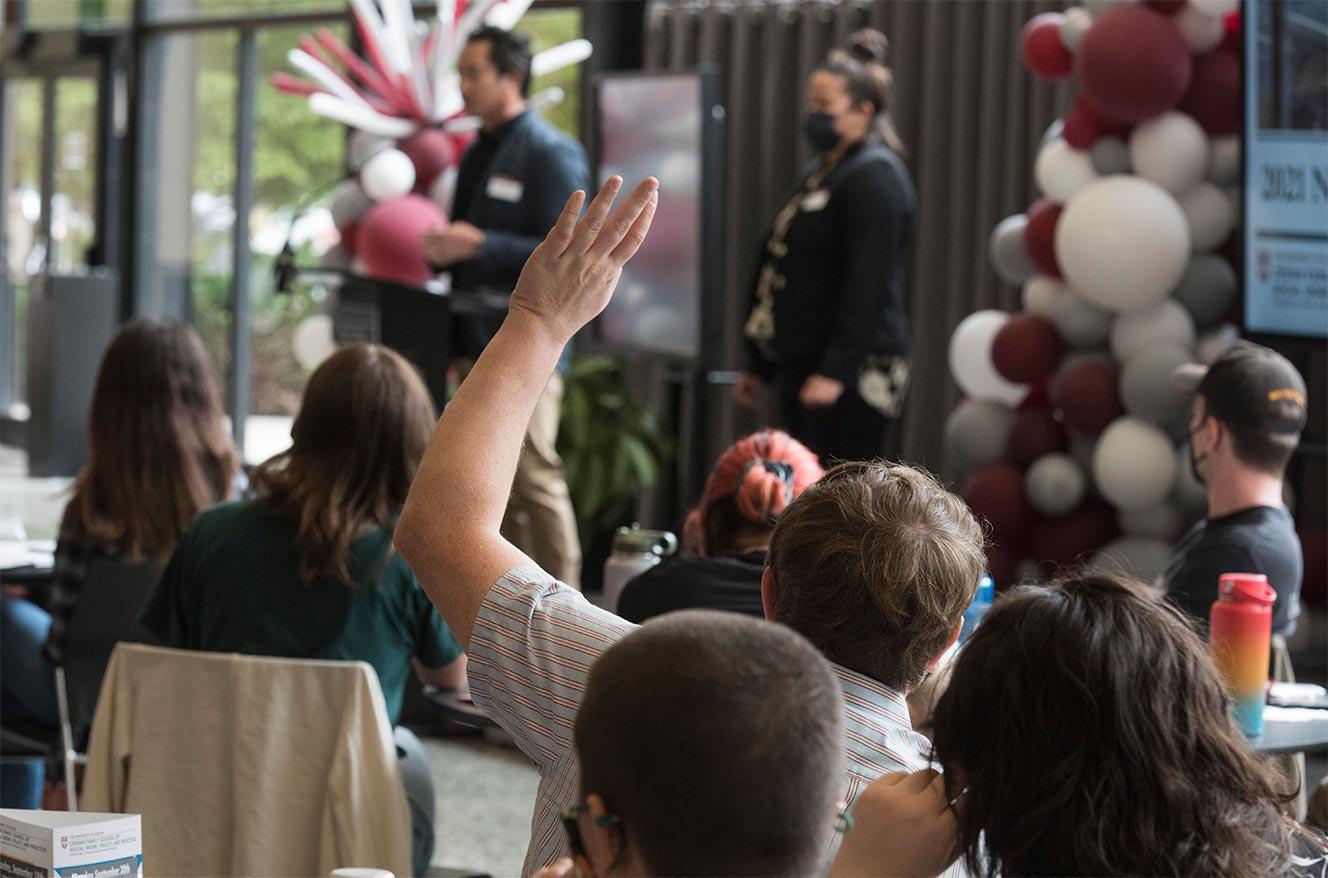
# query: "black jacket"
841 299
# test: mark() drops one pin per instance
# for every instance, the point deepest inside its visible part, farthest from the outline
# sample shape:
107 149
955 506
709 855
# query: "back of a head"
1092 730
509 51
357 441
861 63
752 482
158 449
717 741
875 564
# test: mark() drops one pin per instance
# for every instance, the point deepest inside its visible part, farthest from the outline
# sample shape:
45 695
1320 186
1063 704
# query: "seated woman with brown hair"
306 569
727 534
158 451
1085 731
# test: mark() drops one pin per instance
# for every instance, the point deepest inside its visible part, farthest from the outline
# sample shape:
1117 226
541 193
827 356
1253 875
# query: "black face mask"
820 131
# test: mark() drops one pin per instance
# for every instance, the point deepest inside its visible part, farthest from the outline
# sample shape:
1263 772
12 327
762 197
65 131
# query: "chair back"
105 613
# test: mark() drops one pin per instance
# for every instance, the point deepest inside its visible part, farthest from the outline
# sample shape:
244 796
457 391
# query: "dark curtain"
968 113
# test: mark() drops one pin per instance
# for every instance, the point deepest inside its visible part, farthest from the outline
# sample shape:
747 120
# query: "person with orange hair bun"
726 535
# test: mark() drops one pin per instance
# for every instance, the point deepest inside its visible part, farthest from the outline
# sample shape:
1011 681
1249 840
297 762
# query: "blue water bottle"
986 593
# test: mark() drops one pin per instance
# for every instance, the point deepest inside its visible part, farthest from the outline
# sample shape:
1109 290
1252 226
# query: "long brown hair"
158 450
1092 731
861 64
356 444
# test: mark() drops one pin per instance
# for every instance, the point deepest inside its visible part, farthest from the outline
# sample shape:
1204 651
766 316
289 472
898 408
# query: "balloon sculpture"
1070 440
403 98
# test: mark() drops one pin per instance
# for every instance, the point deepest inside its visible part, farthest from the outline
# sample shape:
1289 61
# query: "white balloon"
1200 31
1166 324
443 190
312 341
970 359
1224 160
1055 485
1160 522
1041 294
1076 23
1139 557
1122 242
1209 215
1217 8
1061 170
389 174
1134 464
1171 150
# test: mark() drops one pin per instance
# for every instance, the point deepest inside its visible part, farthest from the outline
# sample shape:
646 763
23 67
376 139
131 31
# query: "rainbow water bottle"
1240 628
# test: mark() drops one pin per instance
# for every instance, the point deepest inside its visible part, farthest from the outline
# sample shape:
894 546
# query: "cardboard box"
46 844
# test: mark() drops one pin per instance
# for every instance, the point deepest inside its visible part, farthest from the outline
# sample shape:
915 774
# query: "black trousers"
848 430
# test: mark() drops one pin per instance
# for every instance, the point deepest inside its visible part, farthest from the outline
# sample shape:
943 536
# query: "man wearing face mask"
827 331
1249 409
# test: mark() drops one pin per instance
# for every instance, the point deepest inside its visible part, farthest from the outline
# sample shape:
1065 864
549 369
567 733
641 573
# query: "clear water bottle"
986 593
635 550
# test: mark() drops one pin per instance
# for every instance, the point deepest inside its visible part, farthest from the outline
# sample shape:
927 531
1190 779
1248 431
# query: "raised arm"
449 529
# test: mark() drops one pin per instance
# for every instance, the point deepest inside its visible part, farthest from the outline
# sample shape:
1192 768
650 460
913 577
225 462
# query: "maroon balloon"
1041 48
1003 563
1166 7
348 233
996 493
1027 349
1214 96
1064 541
1088 396
1035 432
431 152
1083 125
389 239
1132 64
1040 235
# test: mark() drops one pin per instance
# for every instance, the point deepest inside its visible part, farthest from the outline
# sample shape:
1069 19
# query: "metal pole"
247 74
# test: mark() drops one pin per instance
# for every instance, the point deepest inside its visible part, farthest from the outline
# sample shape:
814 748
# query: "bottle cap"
1245 588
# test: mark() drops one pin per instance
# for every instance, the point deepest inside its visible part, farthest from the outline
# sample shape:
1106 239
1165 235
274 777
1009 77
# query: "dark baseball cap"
1250 385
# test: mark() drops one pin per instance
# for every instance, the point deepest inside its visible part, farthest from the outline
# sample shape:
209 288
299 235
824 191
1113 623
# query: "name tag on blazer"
503 188
816 200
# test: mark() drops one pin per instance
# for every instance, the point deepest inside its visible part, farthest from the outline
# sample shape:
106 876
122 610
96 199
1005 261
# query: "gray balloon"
1207 289
1111 155
1080 323
1006 248
349 202
1146 391
364 146
976 434
1144 559
1055 484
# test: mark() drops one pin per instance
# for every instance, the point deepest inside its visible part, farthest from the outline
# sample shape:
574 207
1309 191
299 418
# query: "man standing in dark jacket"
511 186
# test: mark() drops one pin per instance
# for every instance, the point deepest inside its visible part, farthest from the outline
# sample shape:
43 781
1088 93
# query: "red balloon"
1088 396
1040 45
996 493
1214 96
1035 432
1064 541
1133 64
1166 7
348 232
389 239
1232 40
1040 235
1027 349
432 152
1038 394
1084 125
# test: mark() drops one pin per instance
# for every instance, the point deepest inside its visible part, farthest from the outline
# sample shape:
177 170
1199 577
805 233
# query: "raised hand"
570 277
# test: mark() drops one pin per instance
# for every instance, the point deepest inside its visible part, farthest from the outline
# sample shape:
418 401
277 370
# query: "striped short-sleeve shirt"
530 656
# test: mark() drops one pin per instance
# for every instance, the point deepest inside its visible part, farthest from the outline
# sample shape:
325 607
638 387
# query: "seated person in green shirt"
306 569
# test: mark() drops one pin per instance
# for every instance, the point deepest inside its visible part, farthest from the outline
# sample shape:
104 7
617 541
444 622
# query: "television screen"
1286 167
654 125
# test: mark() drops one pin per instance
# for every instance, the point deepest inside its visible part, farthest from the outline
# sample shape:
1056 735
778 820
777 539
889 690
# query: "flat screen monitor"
1286 167
664 125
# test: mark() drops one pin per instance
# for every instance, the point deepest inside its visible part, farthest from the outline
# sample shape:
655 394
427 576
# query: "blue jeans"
27 677
417 780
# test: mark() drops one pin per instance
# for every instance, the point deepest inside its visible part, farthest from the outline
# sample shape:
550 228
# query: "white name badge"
816 200
505 189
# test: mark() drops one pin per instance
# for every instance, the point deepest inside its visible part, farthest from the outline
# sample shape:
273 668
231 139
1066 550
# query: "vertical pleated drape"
970 117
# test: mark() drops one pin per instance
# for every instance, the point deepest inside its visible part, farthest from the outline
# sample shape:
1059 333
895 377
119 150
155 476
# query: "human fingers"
636 234
588 229
619 224
561 233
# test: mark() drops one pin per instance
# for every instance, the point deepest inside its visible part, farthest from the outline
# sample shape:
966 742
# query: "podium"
423 325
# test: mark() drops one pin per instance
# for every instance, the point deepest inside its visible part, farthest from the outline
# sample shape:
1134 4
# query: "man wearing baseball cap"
1249 410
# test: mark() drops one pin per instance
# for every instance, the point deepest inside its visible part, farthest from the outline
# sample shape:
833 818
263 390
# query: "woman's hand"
819 391
749 389
902 825
570 277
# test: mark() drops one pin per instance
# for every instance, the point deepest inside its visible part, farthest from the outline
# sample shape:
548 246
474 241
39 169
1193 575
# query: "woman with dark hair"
827 328
306 569
1086 731
727 534
158 451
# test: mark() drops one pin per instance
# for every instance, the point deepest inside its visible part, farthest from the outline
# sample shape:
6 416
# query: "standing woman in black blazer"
827 330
